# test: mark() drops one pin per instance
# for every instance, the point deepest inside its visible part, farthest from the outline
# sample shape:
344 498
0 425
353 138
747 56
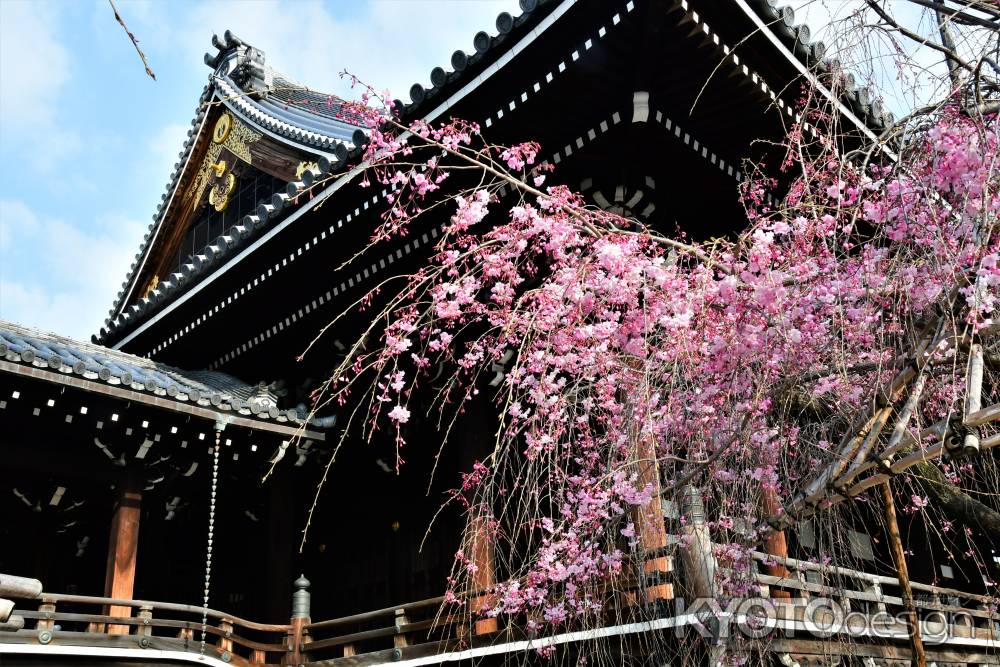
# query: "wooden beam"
123 549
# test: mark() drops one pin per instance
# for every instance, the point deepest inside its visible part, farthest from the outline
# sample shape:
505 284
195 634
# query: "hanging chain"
211 531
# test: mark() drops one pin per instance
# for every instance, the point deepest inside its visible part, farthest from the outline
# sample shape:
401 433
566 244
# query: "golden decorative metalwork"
153 282
222 128
235 137
221 192
303 166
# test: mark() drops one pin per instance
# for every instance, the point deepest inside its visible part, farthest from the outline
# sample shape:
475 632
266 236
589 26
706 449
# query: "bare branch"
135 41
923 41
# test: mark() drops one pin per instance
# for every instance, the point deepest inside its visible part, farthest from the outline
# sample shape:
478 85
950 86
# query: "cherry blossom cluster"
726 359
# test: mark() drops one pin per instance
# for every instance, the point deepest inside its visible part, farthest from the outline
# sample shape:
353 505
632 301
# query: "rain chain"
211 531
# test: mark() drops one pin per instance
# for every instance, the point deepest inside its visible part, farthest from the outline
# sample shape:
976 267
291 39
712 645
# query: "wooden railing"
391 629
969 615
428 627
155 625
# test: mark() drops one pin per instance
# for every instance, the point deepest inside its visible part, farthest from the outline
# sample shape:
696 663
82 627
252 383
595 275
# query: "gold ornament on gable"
222 192
232 135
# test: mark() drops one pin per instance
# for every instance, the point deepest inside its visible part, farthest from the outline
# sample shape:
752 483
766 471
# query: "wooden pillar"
650 524
281 546
400 640
775 545
123 547
479 547
918 659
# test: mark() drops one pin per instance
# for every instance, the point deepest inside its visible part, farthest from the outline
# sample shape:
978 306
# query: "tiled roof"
272 101
251 86
863 101
258 92
486 49
161 208
35 348
292 94
779 20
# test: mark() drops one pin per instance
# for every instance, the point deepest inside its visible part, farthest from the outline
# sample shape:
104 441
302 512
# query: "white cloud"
34 70
58 276
34 66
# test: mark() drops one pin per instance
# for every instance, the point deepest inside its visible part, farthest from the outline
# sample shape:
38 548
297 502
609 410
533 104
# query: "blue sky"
87 140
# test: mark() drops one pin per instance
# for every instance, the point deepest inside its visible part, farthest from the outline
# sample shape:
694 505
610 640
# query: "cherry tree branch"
135 41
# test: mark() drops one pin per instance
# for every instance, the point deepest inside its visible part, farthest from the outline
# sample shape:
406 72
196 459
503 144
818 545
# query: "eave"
210 395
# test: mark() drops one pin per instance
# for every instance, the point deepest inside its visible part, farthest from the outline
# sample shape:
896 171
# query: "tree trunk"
958 505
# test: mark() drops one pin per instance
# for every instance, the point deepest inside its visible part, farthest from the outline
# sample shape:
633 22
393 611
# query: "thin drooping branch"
815 354
955 503
950 54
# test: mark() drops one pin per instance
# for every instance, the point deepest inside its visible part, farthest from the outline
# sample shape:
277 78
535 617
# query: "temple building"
191 401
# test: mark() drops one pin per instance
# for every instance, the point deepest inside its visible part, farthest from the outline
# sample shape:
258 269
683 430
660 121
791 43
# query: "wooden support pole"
974 395
48 610
650 522
123 547
296 635
225 642
775 545
479 547
146 616
919 659
700 565
399 639
899 432
699 561
862 435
